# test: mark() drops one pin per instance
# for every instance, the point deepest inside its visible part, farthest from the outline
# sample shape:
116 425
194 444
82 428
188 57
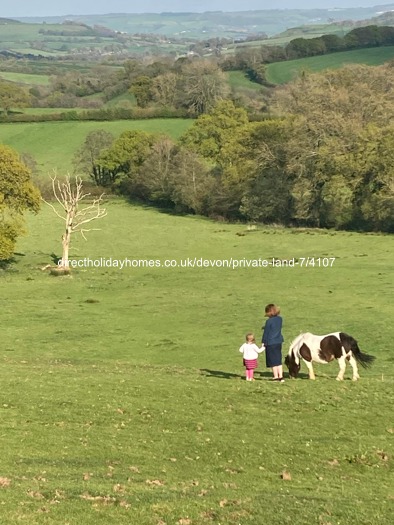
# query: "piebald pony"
323 349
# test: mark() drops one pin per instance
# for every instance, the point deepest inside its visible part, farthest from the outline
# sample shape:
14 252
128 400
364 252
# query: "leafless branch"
83 231
54 209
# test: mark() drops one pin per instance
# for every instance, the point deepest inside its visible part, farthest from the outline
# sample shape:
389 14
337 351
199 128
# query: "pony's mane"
296 342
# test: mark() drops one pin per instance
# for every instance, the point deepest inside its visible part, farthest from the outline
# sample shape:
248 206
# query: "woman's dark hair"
271 310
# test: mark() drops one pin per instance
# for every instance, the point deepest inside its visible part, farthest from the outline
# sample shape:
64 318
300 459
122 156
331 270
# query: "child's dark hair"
271 310
250 337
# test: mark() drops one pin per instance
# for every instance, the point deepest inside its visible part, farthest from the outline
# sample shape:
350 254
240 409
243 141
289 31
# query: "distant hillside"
176 34
60 39
221 24
385 19
8 21
283 72
337 27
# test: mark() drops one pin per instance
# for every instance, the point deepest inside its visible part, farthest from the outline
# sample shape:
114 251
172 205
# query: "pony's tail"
365 360
349 343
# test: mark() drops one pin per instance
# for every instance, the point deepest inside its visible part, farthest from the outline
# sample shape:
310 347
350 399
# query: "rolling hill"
213 24
99 36
282 72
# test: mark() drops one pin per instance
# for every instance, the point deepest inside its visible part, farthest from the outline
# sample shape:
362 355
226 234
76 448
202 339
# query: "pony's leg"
353 364
310 370
342 368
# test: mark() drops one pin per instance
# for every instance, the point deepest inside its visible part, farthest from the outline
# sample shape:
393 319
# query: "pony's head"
292 360
292 365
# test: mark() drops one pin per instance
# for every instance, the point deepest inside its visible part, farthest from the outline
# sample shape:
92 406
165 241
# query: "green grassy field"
125 98
122 397
238 80
280 39
25 32
22 32
23 78
38 52
282 72
64 38
18 37
53 144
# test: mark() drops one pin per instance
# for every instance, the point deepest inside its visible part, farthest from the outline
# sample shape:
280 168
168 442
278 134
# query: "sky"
22 8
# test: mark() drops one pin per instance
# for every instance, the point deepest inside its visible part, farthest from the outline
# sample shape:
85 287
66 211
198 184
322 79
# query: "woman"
273 339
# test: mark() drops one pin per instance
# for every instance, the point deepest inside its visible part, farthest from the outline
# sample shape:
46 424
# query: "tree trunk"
66 247
66 238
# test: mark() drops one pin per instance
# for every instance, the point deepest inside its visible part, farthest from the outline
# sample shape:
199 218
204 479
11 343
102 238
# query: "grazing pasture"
238 80
127 99
122 391
282 72
53 144
24 78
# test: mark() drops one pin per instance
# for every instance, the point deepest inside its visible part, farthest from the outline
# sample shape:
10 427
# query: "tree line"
189 85
253 60
323 157
358 38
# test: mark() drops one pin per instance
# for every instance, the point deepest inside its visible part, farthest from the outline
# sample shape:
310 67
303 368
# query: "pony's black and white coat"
323 349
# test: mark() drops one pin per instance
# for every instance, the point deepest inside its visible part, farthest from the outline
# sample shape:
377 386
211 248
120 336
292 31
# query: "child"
273 339
250 352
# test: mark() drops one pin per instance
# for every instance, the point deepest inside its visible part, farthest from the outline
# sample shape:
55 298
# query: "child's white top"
250 350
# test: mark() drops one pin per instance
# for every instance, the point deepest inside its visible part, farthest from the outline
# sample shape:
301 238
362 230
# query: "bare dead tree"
70 195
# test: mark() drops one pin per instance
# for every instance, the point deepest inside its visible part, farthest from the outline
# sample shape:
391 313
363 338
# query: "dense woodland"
322 157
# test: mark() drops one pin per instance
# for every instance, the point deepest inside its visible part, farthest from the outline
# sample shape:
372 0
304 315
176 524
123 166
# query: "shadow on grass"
169 210
161 207
268 375
257 374
302 376
219 374
6 264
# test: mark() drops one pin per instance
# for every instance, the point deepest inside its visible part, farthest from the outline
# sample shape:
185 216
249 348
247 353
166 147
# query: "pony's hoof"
312 378
355 378
339 378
